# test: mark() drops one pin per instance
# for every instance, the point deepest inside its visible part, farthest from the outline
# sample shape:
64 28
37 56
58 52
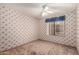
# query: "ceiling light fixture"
46 10
44 14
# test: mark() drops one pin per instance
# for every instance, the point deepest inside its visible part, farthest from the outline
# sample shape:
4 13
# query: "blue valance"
60 18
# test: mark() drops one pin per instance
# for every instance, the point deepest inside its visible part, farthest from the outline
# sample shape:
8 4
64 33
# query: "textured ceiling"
35 9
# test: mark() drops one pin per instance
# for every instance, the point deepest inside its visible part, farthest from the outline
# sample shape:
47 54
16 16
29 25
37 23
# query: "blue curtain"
54 19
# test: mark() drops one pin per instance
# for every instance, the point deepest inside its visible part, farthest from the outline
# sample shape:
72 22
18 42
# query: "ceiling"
36 9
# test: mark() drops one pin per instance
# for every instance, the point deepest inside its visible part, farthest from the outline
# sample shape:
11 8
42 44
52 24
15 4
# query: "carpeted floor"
40 47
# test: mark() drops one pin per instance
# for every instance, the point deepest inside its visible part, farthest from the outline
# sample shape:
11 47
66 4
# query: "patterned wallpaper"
16 28
70 31
77 28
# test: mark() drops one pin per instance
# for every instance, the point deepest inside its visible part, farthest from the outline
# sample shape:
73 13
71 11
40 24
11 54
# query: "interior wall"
70 30
16 28
77 28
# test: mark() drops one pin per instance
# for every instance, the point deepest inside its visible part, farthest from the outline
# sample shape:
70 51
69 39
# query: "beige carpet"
40 47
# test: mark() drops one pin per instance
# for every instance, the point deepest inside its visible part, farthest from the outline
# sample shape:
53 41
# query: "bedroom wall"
16 28
70 30
77 28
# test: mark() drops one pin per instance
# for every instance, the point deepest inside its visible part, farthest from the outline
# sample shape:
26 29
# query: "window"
55 26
